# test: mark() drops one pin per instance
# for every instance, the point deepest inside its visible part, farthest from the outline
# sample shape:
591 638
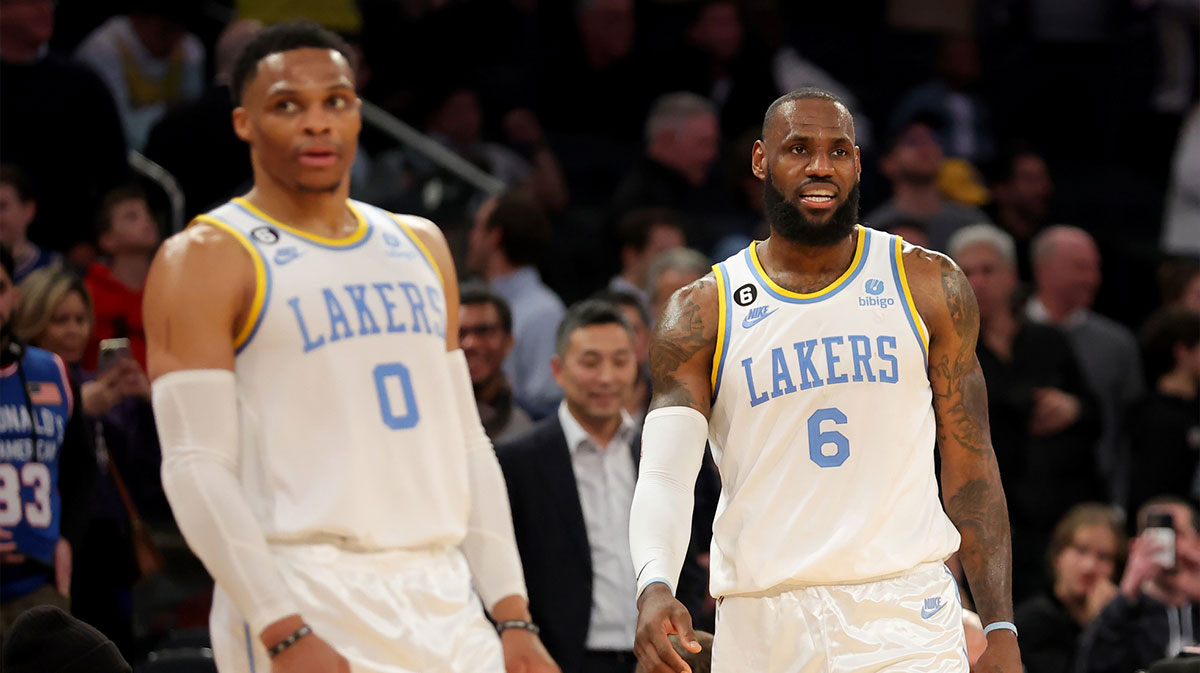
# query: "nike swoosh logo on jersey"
932 607
756 316
286 255
639 574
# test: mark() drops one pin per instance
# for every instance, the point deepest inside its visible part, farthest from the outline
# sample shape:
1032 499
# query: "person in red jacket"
128 235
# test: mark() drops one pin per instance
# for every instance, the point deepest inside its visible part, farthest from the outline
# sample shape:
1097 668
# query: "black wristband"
518 624
279 647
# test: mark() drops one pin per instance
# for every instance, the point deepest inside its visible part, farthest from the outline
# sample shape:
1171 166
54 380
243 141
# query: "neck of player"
781 256
321 213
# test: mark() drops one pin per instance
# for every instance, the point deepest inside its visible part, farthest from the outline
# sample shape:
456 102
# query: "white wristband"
1000 626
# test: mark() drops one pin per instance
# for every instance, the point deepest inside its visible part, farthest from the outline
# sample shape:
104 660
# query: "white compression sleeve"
197 416
490 545
660 521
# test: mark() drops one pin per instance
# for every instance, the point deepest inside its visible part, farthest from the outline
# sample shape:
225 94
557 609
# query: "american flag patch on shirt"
44 393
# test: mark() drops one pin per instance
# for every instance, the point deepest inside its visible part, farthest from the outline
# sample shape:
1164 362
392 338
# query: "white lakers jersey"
343 386
823 428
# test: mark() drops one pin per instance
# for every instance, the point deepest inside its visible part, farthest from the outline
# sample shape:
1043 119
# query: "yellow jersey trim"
722 318
260 278
343 242
855 262
908 296
412 236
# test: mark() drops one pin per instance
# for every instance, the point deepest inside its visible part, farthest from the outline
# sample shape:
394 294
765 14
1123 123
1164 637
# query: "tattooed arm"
971 489
681 355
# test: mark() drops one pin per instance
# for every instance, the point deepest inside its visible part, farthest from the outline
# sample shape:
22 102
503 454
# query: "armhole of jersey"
722 327
910 308
68 394
416 240
262 282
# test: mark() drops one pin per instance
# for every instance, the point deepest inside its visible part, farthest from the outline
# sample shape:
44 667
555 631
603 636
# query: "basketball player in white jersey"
321 447
821 364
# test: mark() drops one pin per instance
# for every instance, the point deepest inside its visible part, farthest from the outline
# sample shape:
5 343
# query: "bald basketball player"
822 365
322 451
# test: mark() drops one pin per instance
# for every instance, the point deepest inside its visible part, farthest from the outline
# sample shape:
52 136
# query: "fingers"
683 626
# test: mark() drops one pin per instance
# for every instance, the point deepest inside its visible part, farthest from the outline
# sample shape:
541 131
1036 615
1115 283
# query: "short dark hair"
525 230
280 37
1080 516
804 93
475 293
110 200
1143 513
633 229
1002 168
622 298
923 116
1163 331
587 313
14 177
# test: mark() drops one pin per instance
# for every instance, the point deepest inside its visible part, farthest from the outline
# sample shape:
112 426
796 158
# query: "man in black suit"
570 482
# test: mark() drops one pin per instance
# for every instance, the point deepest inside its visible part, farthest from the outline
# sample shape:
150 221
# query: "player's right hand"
660 614
310 654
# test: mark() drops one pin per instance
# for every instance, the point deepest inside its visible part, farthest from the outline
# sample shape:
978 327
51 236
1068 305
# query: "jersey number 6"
818 439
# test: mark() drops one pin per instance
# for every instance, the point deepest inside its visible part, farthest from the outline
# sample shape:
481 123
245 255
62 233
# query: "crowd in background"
1050 147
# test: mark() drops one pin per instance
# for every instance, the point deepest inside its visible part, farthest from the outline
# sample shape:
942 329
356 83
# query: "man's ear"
241 123
758 160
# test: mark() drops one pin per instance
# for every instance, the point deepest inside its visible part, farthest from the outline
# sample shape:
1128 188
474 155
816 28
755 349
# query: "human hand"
8 549
1186 580
660 614
524 653
1002 654
62 566
310 654
1053 411
523 128
131 381
101 394
1101 593
1142 566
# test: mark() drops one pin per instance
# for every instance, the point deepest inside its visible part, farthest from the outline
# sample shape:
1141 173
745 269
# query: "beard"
787 220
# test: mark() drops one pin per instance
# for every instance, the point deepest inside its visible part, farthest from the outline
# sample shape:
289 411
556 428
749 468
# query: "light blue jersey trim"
841 283
904 303
309 241
249 646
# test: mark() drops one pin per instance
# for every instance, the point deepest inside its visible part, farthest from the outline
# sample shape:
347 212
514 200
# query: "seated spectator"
1045 420
503 248
485 335
1156 613
201 128
910 230
639 319
1179 283
71 157
17 210
149 61
56 315
1021 190
47 468
1087 546
1162 425
912 164
47 640
670 271
1066 270
644 233
128 236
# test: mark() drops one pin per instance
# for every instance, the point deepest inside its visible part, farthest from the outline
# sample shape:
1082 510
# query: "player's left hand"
524 653
1001 656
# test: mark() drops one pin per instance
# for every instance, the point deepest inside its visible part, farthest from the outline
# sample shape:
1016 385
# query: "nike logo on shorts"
932 607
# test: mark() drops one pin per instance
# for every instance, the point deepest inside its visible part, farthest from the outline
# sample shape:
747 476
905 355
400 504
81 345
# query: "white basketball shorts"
907 624
385 612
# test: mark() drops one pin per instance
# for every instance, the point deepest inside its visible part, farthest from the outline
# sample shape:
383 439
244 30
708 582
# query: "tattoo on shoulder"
680 335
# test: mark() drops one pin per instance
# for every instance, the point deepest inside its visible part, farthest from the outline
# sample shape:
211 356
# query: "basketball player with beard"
822 365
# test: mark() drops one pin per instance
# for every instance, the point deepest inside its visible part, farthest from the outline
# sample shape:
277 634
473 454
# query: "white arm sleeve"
197 416
490 545
660 521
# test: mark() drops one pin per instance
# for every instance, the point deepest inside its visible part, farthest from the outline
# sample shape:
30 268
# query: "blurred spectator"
56 315
912 164
342 16
60 127
670 271
1085 551
1179 283
47 640
1180 235
910 230
682 141
699 662
1164 425
505 245
17 210
581 462
793 71
485 335
149 61
966 123
644 233
1176 23
639 319
1021 189
1045 420
47 467
202 128
1157 610
1066 269
128 236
